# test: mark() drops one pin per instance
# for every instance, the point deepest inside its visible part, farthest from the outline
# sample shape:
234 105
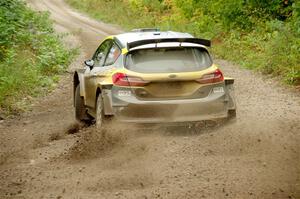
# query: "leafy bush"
31 54
261 35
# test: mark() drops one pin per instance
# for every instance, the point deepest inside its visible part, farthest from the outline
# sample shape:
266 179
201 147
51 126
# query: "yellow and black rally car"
150 76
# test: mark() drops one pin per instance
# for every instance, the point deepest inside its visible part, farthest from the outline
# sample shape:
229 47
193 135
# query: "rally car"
152 76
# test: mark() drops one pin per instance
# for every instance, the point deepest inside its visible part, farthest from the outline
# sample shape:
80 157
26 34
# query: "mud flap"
230 90
107 99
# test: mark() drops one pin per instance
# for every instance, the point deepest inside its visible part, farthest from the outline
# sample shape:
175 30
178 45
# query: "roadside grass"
32 56
257 35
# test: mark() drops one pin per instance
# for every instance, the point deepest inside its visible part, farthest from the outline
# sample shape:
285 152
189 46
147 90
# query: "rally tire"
80 110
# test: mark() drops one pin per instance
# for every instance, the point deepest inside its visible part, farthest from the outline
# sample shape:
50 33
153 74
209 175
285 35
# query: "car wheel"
80 110
99 112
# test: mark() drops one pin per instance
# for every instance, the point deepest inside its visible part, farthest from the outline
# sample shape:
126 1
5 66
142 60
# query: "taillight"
121 79
216 76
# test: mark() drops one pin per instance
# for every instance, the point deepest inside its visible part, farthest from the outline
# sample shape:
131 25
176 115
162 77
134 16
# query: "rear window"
168 60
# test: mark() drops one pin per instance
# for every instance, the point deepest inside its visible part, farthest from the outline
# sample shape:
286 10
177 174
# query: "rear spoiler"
155 41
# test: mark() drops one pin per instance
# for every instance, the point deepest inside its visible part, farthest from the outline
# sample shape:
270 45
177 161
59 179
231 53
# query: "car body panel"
131 108
182 76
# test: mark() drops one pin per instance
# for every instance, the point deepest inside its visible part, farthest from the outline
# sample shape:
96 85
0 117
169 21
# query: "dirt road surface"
44 154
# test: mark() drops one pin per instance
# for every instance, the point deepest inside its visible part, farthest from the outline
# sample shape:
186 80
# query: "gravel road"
45 154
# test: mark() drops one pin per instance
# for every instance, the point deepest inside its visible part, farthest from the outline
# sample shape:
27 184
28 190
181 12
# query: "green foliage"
31 54
260 35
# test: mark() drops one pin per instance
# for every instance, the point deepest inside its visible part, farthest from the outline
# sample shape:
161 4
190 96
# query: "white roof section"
137 36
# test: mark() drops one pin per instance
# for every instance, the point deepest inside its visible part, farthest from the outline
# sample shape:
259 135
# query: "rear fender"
79 79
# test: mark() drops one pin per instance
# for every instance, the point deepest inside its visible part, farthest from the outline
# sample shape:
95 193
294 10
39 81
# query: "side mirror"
90 63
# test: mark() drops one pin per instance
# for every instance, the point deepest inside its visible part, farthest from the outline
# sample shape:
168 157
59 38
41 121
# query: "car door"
95 73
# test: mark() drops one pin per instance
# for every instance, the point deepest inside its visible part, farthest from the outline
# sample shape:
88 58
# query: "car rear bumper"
132 109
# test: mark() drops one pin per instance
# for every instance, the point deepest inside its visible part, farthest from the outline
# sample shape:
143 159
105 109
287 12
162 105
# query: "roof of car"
129 37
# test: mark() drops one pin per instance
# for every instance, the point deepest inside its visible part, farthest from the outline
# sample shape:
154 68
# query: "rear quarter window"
168 60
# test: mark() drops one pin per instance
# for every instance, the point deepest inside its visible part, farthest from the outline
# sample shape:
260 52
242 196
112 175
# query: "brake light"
216 76
121 79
